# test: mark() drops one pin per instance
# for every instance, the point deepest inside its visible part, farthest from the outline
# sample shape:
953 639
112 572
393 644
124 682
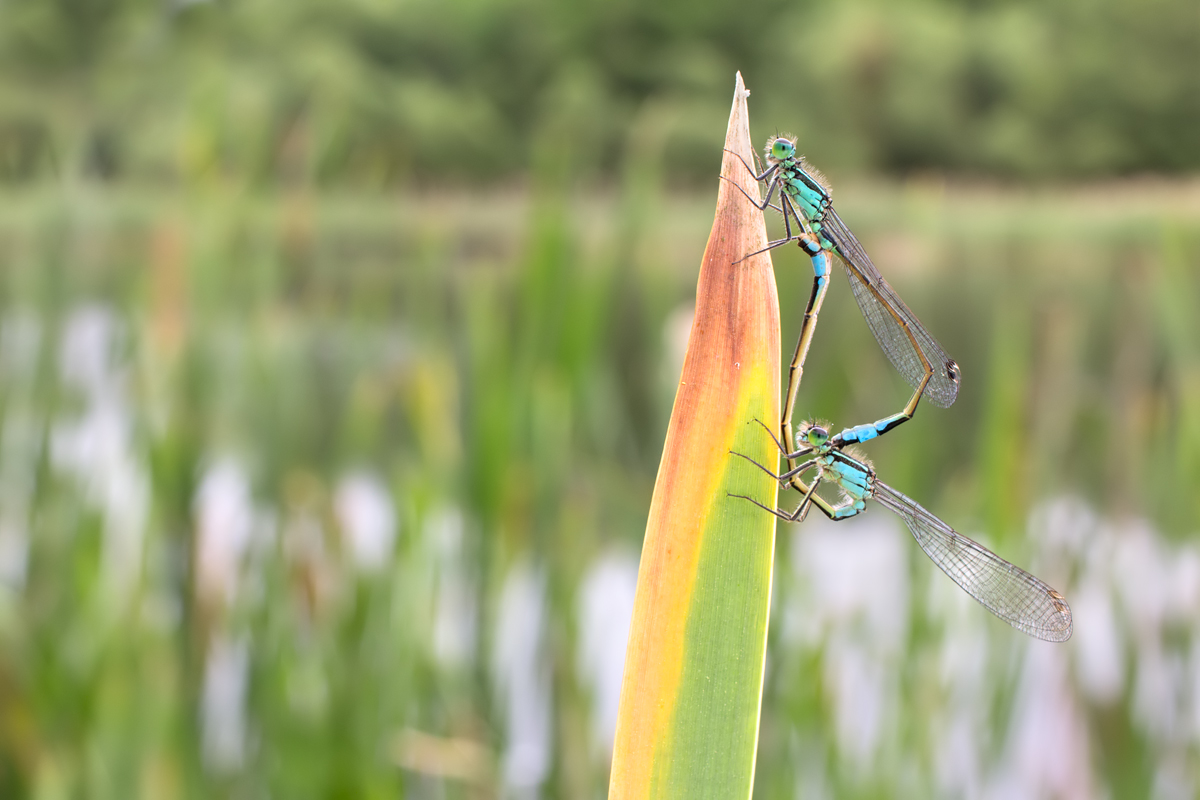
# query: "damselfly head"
812 434
780 148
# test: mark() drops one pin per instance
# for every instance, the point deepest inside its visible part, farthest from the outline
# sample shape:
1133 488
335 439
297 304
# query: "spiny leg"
800 512
770 246
782 209
783 515
760 204
757 161
786 477
806 238
758 178
764 204
803 451
792 476
810 244
789 478
806 503
807 242
811 498
786 202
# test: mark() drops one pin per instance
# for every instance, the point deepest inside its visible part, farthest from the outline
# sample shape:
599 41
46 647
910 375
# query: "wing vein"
897 346
1009 592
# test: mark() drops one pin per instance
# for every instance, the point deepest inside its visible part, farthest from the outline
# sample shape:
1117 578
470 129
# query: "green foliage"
503 366
372 94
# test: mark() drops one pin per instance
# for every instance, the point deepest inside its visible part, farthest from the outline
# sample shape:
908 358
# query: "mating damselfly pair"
1011 593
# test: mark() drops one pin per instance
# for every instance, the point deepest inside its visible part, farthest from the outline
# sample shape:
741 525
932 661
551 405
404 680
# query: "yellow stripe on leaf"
688 721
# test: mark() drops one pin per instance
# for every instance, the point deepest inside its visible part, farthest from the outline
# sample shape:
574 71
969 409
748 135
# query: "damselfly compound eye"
812 436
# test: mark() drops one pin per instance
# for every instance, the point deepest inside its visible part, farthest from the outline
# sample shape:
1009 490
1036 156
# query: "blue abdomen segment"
865 433
847 510
820 265
859 433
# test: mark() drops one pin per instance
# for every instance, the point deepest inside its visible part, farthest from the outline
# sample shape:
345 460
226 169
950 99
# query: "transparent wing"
1008 591
943 385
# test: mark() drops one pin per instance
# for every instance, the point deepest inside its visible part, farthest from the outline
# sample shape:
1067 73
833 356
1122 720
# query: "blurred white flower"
1048 752
1142 580
864 690
853 579
97 445
1097 642
522 674
224 524
367 518
21 443
223 703
853 574
454 618
605 610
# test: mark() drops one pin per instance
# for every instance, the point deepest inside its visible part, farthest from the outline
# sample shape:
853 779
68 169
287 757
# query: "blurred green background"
338 340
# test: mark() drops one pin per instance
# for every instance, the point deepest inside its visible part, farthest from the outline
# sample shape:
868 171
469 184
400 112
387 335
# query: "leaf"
690 700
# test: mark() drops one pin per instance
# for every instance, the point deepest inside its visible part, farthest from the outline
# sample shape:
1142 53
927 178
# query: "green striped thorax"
807 188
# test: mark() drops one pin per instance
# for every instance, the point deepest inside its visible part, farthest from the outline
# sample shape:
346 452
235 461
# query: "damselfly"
804 196
1009 592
